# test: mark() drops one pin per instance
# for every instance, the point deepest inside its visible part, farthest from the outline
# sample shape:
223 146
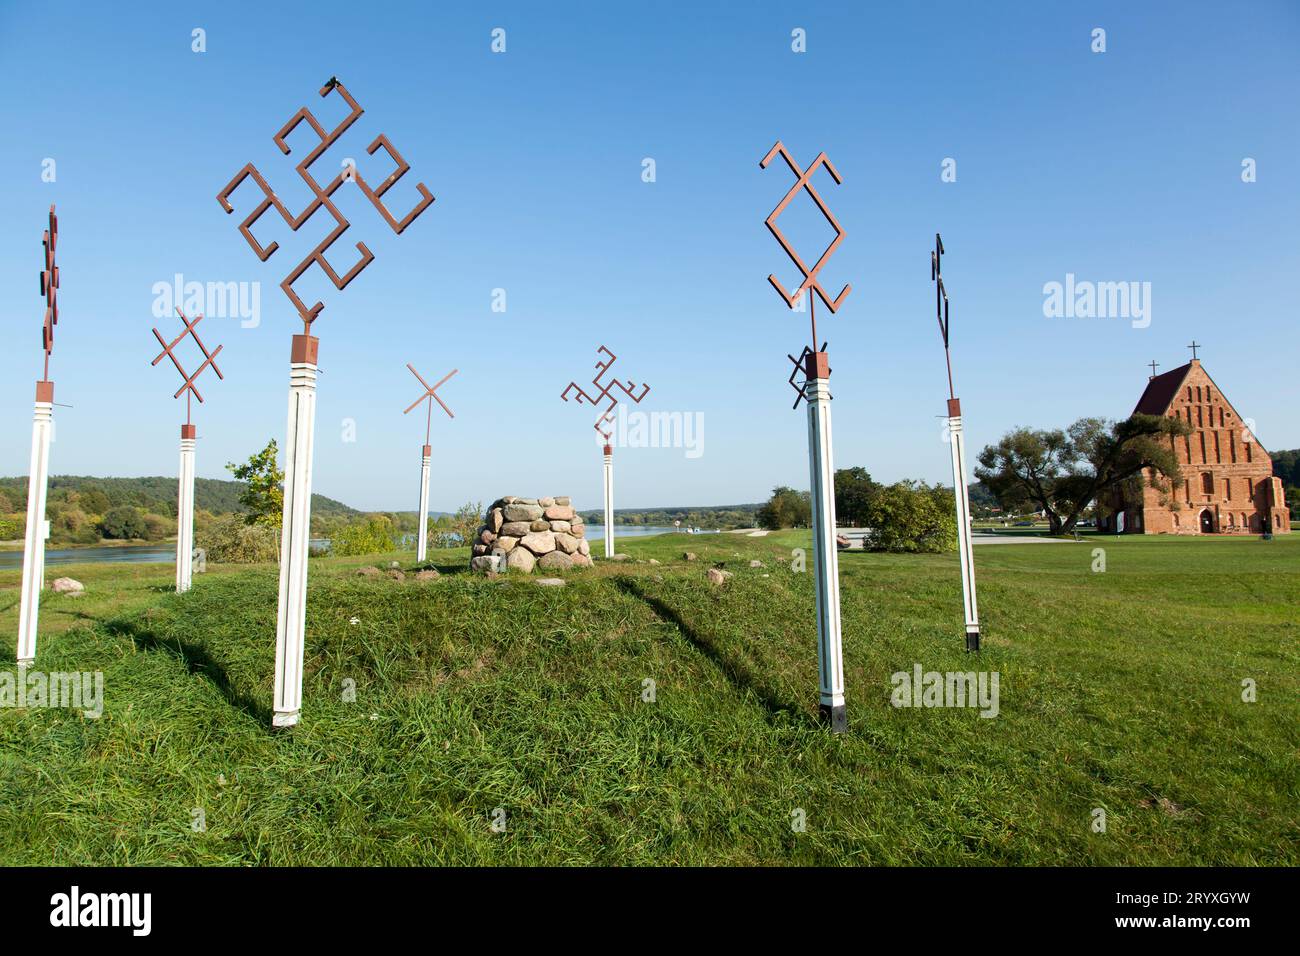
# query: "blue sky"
1117 166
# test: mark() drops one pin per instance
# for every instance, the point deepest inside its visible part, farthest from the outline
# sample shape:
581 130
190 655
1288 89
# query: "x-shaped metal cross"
430 392
209 358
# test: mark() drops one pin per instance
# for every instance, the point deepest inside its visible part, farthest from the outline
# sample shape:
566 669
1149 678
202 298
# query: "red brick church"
1227 484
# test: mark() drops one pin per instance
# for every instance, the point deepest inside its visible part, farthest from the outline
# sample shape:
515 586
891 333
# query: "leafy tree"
95 501
263 495
1061 472
854 491
786 508
912 516
123 523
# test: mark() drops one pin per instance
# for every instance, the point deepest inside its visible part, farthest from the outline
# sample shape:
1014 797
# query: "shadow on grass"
196 659
737 673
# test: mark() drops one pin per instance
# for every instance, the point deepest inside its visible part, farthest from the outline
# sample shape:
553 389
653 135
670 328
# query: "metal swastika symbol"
321 197
209 358
801 366
50 288
603 392
803 181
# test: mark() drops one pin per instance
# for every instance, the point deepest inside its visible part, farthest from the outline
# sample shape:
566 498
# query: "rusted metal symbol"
322 198
801 366
209 358
603 392
941 303
430 392
50 289
803 181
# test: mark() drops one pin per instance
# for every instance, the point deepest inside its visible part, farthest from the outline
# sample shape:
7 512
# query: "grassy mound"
1119 690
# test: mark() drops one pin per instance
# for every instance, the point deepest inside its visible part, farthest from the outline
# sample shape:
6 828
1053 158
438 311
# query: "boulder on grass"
68 586
718 576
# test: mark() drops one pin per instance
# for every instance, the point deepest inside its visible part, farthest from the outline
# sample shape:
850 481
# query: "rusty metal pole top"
941 314
431 394
50 291
322 199
813 362
604 391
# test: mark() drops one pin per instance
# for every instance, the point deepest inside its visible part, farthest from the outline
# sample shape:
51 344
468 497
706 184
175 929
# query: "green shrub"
912 516
11 527
231 540
375 535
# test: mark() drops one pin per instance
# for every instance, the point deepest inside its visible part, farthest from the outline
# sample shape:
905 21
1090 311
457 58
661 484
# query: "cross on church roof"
1153 368
1194 346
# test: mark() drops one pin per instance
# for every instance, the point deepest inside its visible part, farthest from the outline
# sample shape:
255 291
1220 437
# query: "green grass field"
1120 690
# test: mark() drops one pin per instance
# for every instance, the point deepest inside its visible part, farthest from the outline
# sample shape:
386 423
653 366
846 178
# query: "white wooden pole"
422 540
830 654
45 546
609 501
185 512
295 536
965 548
34 546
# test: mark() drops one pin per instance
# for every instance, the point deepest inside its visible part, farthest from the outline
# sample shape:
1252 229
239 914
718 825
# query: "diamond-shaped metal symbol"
803 181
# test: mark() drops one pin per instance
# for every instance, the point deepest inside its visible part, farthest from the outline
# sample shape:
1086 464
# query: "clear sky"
1119 166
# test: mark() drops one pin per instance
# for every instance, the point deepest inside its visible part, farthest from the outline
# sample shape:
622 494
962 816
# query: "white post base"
185 513
965 546
422 539
609 501
830 653
34 546
291 613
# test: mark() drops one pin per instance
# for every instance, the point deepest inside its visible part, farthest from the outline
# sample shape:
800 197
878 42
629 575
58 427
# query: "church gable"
1227 483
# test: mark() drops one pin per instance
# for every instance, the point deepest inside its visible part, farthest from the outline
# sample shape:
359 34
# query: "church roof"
1161 390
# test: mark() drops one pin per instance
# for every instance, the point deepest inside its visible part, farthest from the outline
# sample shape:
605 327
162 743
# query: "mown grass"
1119 690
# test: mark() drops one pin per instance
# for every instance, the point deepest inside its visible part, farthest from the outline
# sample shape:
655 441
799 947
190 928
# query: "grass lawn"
1120 690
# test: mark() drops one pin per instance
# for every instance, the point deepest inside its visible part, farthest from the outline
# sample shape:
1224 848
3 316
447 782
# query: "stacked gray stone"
526 533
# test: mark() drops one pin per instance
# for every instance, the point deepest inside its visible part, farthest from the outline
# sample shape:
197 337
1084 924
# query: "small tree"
123 523
1061 472
466 521
786 508
264 494
854 491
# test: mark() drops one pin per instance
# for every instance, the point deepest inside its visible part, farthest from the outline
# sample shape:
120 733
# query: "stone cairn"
523 533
